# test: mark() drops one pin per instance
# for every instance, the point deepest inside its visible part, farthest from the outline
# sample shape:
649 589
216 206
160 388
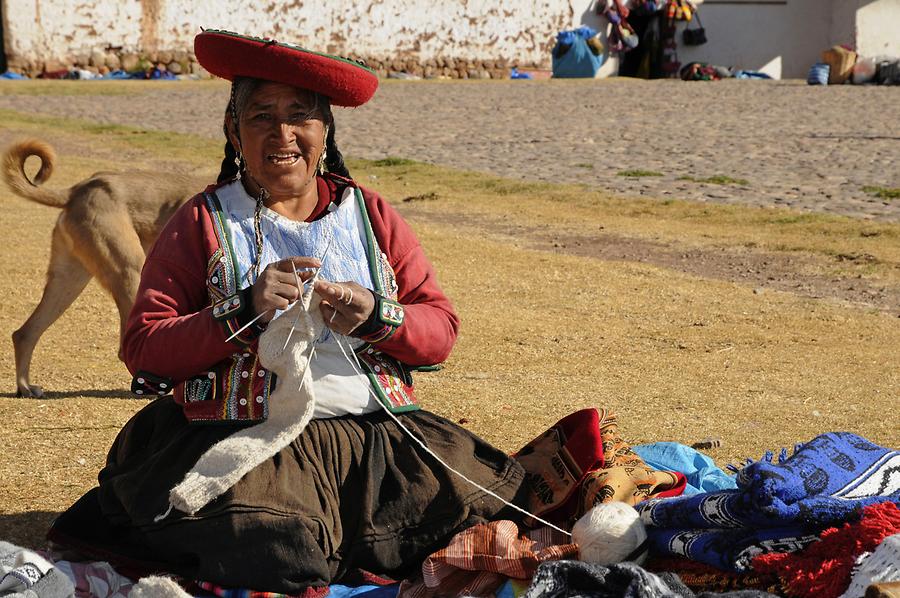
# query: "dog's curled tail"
17 180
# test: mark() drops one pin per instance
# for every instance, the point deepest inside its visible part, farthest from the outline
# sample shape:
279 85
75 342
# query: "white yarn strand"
356 366
312 283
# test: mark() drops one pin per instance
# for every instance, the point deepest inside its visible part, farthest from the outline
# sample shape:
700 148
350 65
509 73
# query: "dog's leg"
116 262
66 279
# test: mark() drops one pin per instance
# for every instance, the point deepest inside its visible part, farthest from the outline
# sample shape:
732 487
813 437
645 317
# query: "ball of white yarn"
608 533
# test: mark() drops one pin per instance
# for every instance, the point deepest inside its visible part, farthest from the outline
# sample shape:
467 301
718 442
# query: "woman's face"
282 136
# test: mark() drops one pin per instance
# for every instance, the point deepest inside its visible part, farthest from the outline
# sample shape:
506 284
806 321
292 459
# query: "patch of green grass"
882 192
65 88
572 205
797 218
498 186
191 149
638 173
45 87
393 161
718 179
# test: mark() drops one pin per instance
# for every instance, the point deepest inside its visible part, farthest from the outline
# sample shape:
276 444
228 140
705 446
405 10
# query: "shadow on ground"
26 529
52 395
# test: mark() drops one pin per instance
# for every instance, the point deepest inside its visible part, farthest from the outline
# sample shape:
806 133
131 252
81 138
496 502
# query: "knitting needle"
312 282
299 294
247 325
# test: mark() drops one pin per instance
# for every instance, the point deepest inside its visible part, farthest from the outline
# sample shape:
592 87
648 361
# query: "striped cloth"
818 74
480 559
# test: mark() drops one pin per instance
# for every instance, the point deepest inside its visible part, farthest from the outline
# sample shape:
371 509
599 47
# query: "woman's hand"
276 287
345 305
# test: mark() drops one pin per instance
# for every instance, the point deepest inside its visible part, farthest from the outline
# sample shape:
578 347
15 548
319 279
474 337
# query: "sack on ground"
574 56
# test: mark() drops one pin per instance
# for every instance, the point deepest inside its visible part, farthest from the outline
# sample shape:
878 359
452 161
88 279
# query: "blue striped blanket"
777 506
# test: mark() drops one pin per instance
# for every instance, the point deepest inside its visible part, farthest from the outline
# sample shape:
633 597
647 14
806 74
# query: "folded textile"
818 74
776 507
26 574
701 472
577 579
479 560
365 591
826 481
742 74
727 549
824 568
95 579
701 577
53 584
881 566
581 461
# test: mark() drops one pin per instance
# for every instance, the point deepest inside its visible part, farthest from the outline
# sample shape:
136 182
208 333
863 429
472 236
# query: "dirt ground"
783 143
688 322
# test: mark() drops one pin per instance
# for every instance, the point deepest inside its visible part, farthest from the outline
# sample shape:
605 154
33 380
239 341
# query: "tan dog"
108 222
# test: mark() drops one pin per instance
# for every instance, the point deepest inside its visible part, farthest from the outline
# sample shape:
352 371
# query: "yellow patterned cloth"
581 461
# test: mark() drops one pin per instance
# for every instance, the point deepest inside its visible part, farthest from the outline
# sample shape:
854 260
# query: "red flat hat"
229 55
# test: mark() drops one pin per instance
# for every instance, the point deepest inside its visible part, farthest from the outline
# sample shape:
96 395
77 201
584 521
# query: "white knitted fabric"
155 586
291 408
879 566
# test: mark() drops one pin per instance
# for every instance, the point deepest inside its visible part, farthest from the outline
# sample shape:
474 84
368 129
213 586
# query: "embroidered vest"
238 388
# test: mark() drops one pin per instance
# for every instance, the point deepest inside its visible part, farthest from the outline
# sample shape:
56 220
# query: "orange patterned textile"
582 461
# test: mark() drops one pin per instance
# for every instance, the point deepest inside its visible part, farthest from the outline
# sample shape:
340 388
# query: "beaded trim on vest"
245 386
389 377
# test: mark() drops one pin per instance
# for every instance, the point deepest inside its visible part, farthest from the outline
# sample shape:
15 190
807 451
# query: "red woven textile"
824 569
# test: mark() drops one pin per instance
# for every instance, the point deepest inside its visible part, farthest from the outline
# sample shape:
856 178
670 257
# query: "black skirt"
350 493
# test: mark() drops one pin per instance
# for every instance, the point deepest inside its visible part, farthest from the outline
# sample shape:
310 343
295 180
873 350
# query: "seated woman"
352 491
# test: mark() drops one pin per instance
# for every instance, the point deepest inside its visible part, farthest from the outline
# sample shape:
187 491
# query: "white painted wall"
780 39
878 28
54 29
478 29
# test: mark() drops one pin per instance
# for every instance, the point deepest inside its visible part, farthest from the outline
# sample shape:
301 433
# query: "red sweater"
171 332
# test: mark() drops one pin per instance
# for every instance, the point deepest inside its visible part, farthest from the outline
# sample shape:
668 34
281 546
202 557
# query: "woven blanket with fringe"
824 568
777 507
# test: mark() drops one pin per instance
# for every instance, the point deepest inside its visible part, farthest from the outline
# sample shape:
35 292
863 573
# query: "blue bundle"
776 506
572 57
818 74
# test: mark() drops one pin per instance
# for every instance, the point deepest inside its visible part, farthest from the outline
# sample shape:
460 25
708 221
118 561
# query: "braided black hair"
334 160
230 168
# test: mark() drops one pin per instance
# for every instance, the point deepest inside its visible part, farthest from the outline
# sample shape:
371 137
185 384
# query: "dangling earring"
238 162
